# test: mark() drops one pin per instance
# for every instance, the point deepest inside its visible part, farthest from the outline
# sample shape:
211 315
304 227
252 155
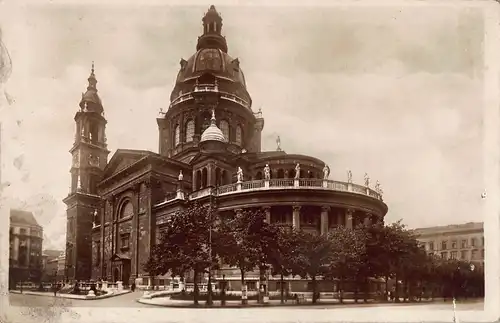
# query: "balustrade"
281 183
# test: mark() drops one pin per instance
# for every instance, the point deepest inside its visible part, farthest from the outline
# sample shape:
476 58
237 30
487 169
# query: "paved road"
129 300
125 300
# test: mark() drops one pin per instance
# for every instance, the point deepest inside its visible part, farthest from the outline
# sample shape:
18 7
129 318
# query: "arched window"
126 210
224 127
198 180
177 135
218 177
258 176
189 131
281 173
204 178
225 179
238 135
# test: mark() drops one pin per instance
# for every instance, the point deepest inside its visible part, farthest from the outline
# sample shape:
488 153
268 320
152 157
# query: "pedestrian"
133 287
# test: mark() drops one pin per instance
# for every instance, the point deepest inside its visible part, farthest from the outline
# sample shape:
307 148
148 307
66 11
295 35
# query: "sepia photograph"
291 161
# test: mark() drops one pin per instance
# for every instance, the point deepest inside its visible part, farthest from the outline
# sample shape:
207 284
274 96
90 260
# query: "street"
129 300
126 300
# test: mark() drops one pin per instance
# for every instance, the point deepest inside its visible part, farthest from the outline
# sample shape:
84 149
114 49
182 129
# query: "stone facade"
138 190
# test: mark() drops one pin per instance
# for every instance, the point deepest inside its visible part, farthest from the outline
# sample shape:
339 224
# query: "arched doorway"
116 275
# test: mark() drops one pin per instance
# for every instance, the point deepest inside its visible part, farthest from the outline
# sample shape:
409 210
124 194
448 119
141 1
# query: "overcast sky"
396 92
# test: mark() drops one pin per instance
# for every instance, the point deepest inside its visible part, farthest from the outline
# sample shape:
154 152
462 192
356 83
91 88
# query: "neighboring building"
116 209
458 241
50 258
25 251
61 267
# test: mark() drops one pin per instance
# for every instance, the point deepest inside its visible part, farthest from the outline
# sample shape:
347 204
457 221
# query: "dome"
212 132
211 60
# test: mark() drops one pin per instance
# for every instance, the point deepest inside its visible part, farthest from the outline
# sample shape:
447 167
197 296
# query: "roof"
52 253
22 217
449 228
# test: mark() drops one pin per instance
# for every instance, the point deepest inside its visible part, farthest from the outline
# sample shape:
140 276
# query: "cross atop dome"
212 27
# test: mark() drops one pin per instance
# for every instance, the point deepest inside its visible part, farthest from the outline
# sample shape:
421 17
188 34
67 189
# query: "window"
463 244
127 210
190 131
444 255
224 127
464 255
444 245
482 253
454 244
22 231
125 241
474 255
431 245
177 135
482 241
473 242
238 135
453 255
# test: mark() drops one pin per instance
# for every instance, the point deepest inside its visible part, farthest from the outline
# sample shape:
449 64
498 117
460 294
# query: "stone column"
324 219
267 210
296 217
348 218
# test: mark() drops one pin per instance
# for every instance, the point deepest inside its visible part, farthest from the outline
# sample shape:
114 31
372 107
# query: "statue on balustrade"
378 188
239 175
326 172
181 176
297 171
349 176
267 172
367 180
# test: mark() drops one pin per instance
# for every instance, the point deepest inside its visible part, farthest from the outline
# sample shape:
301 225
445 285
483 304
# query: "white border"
490 210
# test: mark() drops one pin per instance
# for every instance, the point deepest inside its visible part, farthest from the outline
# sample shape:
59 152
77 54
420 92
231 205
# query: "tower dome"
213 132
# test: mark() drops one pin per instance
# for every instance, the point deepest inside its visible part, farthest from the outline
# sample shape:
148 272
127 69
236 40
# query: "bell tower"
90 156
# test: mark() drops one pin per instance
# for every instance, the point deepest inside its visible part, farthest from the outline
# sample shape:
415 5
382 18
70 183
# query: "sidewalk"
167 302
73 296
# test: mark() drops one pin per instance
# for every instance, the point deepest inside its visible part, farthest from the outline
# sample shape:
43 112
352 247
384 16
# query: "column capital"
296 208
238 211
325 208
266 208
349 211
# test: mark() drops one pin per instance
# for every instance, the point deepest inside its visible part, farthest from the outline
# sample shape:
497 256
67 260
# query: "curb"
317 305
75 298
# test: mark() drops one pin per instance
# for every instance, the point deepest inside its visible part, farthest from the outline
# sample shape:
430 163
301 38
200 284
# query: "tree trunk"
260 292
314 289
282 288
366 289
386 287
196 288
244 301
341 289
396 289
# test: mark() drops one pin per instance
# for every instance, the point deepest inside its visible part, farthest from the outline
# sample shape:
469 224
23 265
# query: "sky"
396 92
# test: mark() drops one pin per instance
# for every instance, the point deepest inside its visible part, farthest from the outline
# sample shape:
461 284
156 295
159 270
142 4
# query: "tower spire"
90 99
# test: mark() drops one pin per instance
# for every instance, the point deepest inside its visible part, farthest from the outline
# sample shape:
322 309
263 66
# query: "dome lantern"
212 132
90 99
212 28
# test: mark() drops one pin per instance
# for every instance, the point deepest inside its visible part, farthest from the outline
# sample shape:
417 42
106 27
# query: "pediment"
121 160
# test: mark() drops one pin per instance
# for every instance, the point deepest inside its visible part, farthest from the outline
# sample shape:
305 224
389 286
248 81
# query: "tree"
285 257
247 241
314 258
183 244
347 252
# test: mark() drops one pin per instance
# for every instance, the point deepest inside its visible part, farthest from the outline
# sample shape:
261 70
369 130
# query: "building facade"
460 241
49 265
25 250
209 144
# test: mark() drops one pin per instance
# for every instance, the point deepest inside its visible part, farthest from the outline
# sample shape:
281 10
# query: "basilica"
209 144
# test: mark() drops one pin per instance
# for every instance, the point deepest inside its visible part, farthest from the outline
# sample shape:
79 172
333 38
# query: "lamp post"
210 210
223 292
